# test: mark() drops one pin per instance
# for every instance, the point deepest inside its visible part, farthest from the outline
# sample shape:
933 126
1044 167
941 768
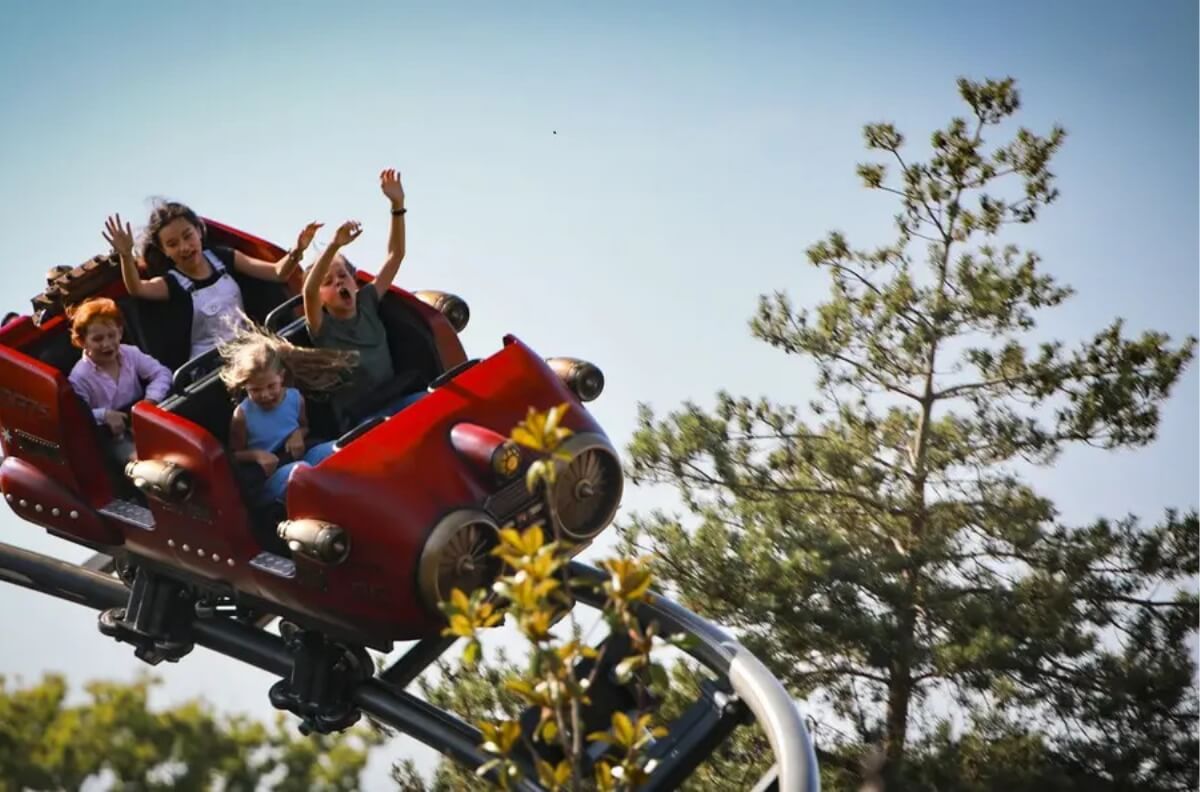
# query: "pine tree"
886 550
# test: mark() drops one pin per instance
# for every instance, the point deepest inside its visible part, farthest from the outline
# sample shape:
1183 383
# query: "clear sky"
650 170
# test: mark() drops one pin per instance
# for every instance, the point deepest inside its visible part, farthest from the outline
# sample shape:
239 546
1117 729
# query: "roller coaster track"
743 684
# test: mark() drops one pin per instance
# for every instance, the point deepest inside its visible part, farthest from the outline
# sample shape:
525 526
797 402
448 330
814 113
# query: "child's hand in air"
389 182
347 232
119 236
116 422
295 444
306 236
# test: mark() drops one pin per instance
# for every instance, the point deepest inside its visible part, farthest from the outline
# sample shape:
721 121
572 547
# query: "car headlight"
486 449
319 540
164 480
587 490
584 379
457 555
451 306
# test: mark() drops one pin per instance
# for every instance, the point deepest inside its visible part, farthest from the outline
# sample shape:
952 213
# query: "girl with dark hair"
197 280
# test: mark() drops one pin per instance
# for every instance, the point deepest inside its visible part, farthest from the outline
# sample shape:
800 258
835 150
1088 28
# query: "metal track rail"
382 698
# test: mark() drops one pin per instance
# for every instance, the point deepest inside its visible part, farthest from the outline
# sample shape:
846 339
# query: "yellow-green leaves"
541 432
628 579
627 734
500 739
554 777
535 592
466 616
627 739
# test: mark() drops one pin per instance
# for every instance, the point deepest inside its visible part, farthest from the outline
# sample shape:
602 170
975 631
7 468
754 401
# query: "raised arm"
279 270
120 236
393 190
347 232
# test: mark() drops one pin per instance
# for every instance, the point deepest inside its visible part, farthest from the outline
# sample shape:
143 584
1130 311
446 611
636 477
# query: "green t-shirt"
364 333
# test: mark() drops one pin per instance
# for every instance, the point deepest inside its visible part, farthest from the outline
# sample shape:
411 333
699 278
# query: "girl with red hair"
111 376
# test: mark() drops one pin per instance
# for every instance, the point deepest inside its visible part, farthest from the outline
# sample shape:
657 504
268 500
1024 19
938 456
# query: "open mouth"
344 293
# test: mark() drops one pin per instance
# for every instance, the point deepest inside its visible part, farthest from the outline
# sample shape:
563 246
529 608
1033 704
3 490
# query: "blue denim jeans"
276 487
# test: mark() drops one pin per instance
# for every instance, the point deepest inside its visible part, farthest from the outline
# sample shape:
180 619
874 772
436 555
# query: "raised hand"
306 236
119 236
347 232
393 190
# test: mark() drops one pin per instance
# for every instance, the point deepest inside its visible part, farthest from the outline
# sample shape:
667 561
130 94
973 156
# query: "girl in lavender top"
111 376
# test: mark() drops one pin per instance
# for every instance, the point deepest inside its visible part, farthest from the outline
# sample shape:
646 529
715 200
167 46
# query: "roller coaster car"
406 509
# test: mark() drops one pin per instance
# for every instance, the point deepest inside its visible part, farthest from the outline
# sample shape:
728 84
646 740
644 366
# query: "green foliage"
889 554
47 744
535 593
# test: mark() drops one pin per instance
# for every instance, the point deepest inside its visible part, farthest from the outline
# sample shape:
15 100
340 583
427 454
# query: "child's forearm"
316 275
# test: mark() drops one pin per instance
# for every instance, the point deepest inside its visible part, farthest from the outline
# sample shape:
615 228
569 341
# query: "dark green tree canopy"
886 549
48 744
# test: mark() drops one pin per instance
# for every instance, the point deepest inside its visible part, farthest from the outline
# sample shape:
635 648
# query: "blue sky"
650 170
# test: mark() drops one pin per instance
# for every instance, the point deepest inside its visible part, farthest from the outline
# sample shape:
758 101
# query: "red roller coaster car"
406 508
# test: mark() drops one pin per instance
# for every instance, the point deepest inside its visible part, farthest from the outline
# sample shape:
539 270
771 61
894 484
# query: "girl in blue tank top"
270 425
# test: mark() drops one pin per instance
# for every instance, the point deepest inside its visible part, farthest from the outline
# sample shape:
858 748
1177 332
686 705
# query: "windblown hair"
164 212
93 310
255 349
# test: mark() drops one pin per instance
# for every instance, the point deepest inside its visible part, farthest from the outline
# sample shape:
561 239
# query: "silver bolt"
55 511
229 561
8 497
74 514
37 507
22 503
170 543
187 549
199 551
216 558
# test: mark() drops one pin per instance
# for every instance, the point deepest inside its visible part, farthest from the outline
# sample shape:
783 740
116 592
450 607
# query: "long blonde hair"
254 349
